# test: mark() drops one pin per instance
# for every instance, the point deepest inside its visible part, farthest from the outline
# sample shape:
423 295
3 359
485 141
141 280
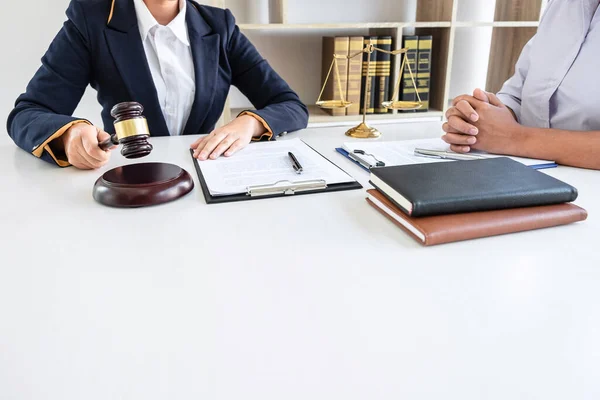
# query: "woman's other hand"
228 139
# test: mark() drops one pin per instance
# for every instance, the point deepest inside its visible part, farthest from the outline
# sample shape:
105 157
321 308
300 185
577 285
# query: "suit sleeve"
43 112
278 107
511 93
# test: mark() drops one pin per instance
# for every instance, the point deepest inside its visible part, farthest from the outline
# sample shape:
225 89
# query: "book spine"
386 214
469 225
355 67
328 50
424 70
368 82
339 46
372 99
408 92
383 72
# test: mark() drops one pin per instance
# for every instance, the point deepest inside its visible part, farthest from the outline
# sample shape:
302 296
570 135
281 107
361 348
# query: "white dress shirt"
171 63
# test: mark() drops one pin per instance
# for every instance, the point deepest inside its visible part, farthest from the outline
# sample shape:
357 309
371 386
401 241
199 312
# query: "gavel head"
131 129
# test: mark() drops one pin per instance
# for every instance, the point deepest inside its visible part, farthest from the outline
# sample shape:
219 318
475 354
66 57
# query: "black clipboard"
277 189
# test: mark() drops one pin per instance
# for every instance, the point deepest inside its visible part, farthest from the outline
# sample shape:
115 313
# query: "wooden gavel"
131 130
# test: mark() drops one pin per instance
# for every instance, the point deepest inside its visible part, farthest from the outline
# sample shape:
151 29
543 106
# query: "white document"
403 152
268 163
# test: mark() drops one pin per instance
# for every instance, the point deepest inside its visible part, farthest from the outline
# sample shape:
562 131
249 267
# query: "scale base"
142 185
363 131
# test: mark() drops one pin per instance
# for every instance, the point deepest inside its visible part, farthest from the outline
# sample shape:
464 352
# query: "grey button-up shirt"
557 78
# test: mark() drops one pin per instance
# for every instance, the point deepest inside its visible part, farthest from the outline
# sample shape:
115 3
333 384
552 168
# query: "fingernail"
473 131
213 156
474 117
471 140
203 155
228 154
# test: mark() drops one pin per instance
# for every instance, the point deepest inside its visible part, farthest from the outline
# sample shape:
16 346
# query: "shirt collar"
146 21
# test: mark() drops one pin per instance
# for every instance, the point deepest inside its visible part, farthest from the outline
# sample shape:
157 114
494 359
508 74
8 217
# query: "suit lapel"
125 44
205 51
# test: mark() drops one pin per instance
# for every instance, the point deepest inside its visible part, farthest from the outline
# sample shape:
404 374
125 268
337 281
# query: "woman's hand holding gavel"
81 146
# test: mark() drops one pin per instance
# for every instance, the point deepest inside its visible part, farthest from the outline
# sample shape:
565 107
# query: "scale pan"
402 105
332 104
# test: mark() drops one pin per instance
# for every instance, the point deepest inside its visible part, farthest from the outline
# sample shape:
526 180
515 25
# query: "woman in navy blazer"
100 45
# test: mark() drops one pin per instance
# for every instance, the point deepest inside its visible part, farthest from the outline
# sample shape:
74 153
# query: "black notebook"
467 186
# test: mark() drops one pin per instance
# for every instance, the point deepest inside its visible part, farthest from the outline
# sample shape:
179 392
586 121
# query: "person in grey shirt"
550 108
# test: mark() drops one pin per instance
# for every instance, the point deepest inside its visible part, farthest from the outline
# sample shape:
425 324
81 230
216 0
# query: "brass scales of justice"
364 131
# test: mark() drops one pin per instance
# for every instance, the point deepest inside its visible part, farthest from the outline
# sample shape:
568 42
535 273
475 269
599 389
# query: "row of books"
377 87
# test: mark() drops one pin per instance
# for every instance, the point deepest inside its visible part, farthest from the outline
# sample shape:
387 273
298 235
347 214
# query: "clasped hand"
481 122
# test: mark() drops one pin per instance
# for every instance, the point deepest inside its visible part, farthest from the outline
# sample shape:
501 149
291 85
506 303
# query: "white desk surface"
308 297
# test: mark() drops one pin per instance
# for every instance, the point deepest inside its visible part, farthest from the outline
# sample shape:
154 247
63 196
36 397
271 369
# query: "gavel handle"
108 143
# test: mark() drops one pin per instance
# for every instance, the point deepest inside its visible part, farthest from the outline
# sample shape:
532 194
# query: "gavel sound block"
138 185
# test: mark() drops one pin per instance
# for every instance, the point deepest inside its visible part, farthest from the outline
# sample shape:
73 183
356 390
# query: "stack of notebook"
448 202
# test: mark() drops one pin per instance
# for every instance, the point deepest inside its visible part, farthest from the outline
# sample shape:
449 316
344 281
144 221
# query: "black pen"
295 163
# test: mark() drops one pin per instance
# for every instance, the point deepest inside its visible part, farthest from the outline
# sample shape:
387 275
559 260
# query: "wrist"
67 135
518 138
256 127
60 143
513 114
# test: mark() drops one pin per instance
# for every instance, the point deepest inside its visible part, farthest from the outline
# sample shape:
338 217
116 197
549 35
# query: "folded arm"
484 122
572 148
42 115
278 107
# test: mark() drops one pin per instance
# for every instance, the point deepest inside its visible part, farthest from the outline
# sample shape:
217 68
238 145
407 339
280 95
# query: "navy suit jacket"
100 45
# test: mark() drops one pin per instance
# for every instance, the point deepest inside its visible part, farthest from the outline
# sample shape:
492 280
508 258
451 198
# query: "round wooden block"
142 185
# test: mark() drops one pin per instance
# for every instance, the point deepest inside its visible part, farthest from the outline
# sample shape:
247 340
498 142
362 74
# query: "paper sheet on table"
267 163
402 152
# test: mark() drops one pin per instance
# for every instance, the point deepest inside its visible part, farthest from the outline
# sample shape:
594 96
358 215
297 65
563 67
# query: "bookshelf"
288 33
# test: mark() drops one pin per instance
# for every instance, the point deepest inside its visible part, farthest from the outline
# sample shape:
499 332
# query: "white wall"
344 11
471 49
27 29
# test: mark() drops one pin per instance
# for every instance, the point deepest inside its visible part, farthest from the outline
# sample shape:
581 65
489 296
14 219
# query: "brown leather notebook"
442 229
